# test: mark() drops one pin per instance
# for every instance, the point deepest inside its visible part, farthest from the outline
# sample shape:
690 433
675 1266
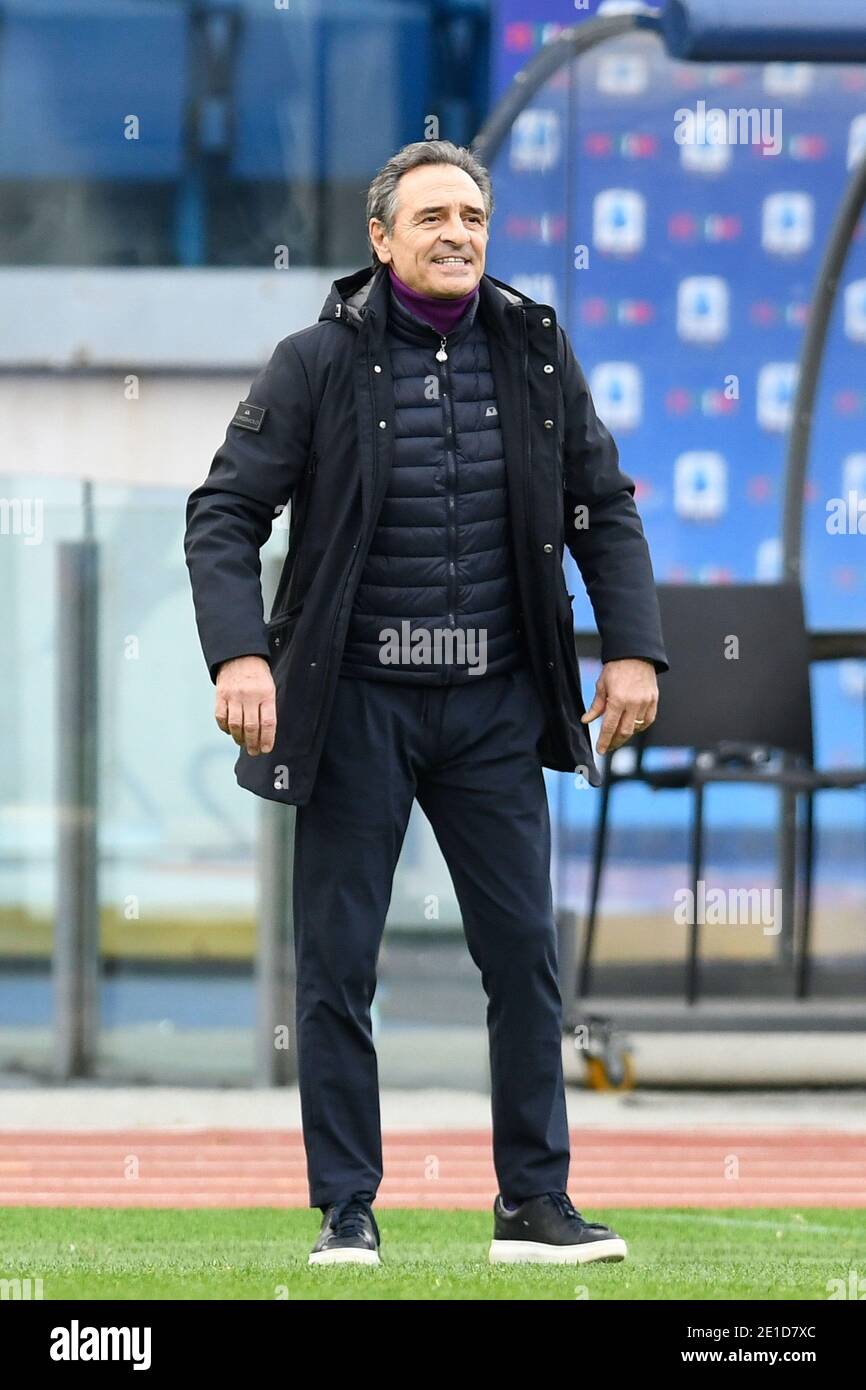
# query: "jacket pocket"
571 668
564 601
281 626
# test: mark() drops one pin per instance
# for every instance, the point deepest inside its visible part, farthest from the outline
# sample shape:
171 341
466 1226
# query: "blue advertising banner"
675 215
521 27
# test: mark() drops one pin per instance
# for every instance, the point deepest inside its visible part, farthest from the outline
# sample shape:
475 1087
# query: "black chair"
734 713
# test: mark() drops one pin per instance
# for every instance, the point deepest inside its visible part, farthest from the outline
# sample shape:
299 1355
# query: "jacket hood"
348 297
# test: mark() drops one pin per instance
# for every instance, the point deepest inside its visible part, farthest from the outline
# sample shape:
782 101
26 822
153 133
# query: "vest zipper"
450 490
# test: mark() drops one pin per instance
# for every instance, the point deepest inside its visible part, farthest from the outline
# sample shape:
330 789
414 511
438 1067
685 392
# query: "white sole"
344 1257
516 1252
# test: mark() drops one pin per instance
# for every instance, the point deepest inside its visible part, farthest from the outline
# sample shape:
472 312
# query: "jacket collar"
408 326
364 295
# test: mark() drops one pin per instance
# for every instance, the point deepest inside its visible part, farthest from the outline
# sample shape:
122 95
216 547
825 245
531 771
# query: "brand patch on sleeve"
250 417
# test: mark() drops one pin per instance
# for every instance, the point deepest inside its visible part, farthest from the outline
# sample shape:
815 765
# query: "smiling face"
439 241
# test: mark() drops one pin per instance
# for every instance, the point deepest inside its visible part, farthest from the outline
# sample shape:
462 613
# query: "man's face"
439 241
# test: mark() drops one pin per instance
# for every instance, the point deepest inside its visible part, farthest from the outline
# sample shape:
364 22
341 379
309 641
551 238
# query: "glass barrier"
178 839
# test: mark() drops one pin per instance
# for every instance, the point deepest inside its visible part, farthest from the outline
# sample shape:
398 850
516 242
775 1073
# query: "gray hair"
382 193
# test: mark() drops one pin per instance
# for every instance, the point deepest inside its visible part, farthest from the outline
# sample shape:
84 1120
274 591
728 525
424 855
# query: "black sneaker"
547 1229
349 1234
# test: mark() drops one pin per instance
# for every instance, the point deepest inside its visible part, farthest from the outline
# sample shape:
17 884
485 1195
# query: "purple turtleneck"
441 313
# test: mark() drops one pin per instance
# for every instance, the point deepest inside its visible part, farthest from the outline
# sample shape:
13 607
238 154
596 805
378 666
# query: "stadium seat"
734 713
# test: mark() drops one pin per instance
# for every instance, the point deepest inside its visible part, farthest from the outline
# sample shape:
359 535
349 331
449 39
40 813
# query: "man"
436 436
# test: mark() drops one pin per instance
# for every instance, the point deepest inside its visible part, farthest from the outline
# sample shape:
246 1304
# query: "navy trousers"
467 752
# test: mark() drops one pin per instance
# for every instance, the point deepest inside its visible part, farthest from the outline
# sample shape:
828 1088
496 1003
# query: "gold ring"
639 721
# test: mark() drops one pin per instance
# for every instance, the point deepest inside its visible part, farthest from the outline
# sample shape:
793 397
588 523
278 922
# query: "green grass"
261 1253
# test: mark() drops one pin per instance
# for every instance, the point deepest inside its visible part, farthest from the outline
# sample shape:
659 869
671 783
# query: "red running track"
436 1168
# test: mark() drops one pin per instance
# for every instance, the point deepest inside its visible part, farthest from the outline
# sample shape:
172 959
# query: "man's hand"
246 704
625 692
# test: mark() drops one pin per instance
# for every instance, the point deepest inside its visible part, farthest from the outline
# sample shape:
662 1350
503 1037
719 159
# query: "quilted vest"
436 603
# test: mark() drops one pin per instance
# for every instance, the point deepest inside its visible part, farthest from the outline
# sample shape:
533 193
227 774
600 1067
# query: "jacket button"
550 665
383 424
546 322
548 549
547 367
377 368
548 424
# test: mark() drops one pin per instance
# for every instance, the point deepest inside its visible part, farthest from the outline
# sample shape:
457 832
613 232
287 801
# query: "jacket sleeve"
229 516
608 543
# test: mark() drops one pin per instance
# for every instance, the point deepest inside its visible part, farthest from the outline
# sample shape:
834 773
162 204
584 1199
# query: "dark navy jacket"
318 429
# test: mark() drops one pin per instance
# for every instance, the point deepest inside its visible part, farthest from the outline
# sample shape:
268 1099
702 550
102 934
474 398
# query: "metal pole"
796 466
567 928
76 926
811 357
276 1052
